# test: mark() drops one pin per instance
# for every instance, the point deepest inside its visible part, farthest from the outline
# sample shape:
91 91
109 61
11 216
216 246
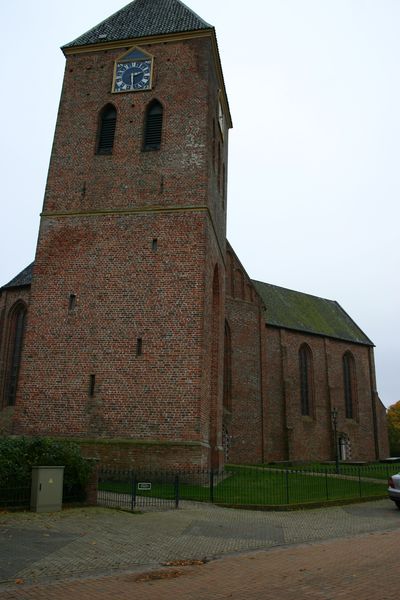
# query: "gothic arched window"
349 381
153 126
106 134
306 380
15 340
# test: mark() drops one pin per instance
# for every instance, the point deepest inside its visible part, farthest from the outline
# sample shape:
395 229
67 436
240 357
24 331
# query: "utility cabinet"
47 489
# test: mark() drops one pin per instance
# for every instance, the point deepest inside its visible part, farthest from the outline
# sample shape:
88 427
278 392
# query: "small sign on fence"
144 487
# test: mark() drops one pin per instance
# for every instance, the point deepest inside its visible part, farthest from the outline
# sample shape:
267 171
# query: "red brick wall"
102 214
381 426
180 175
265 422
245 423
310 437
384 450
275 408
158 456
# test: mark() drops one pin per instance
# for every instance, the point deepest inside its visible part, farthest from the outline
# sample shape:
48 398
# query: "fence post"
176 485
92 486
326 484
133 491
359 481
287 486
212 486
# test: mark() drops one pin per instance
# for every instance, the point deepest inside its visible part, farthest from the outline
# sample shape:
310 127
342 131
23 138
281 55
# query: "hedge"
19 455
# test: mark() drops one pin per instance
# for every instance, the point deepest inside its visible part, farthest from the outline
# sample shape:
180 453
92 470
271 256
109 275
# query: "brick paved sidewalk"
362 567
96 542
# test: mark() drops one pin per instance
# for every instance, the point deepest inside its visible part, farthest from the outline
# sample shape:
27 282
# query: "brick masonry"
291 436
266 423
133 288
82 373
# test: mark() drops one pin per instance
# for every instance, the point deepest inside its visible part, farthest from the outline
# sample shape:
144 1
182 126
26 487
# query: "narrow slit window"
153 126
108 122
72 302
92 385
139 347
155 245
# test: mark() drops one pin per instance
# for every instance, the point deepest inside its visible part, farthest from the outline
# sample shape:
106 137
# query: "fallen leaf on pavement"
157 575
184 563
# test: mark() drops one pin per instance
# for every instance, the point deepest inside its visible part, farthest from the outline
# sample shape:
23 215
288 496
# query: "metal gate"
131 490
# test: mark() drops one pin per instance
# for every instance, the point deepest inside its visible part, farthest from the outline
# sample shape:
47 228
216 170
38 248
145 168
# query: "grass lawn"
250 486
373 470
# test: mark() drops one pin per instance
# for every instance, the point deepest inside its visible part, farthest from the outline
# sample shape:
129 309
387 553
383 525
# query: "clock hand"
132 78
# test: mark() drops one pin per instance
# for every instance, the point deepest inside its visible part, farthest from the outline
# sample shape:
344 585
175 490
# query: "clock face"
133 75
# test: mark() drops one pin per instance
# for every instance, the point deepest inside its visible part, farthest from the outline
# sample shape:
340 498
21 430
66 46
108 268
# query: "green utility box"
47 489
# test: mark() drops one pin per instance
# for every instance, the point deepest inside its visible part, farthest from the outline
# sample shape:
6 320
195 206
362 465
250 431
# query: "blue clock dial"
132 75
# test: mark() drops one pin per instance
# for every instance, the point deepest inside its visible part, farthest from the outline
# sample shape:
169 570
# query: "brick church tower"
124 343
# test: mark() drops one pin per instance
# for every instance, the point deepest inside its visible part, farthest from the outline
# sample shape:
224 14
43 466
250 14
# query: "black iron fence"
252 486
15 496
19 496
241 486
134 490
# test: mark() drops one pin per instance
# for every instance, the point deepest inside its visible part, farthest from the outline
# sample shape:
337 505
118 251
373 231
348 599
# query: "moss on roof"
311 314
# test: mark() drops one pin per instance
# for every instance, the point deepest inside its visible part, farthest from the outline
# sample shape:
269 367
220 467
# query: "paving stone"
94 542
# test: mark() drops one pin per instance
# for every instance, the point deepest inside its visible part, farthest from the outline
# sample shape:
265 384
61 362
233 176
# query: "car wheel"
397 503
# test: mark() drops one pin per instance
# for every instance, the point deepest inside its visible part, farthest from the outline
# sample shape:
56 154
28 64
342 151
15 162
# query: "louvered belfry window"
153 126
108 121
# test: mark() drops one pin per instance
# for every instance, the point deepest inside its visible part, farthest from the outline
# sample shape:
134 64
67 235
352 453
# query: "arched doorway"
344 446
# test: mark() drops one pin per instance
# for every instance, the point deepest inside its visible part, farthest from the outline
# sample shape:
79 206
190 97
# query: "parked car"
394 489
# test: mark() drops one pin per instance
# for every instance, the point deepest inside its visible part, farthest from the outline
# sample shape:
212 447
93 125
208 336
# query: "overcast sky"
314 186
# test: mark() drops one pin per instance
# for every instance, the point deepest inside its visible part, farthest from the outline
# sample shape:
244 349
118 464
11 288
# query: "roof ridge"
296 291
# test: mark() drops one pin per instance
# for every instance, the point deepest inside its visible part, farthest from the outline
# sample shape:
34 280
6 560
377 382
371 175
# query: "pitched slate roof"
311 314
22 279
143 18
